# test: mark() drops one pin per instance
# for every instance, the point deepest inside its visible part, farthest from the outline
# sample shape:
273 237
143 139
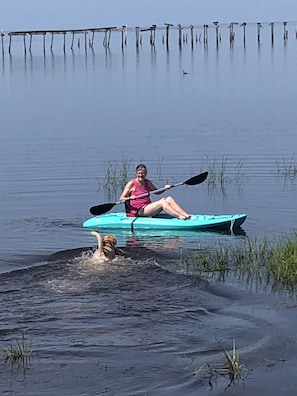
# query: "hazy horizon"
72 14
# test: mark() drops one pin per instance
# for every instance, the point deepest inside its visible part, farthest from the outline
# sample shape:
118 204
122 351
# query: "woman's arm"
153 187
127 191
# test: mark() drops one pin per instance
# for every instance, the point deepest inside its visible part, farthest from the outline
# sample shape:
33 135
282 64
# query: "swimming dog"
106 246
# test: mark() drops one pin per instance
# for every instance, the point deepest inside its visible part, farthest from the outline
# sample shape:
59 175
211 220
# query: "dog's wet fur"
106 247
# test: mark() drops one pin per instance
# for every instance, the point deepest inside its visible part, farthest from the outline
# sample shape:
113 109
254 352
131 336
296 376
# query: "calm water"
135 325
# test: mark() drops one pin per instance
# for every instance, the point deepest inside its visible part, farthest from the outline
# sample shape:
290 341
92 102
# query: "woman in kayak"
144 207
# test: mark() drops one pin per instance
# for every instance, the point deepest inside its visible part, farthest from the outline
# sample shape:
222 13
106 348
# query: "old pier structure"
88 35
77 32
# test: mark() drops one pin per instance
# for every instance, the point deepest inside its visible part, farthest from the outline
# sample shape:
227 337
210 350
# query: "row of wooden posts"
123 29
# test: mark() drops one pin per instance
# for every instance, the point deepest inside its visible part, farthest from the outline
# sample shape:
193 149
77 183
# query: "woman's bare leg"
176 207
168 205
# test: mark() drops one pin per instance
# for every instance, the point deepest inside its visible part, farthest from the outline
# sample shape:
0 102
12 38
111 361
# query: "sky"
18 15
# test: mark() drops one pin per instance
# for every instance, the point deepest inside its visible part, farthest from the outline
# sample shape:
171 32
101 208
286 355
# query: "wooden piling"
244 26
105 40
167 33
2 42
52 41
44 43
192 36
258 32
9 45
108 36
285 31
92 40
123 35
272 32
179 26
30 42
85 34
72 41
205 34
153 34
232 33
137 30
217 32
25 47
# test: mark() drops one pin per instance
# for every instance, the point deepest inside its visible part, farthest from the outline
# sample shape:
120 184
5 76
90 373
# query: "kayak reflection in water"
143 206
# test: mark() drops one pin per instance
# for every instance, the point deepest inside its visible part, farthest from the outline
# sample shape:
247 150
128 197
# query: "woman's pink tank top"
133 205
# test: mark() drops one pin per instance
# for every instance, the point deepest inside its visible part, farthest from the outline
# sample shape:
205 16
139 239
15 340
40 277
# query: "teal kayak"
119 220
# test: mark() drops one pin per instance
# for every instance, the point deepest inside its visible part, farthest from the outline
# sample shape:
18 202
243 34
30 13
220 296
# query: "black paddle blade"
100 209
196 179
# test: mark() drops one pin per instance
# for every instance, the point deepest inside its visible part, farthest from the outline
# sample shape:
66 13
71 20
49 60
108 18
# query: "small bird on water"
184 72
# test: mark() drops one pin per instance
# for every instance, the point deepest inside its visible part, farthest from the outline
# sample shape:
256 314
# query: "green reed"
222 172
259 264
283 265
231 367
287 167
116 176
17 353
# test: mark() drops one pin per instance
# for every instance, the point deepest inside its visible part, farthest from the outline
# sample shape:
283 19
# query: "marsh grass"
17 353
231 368
241 261
222 172
259 264
116 176
287 167
283 265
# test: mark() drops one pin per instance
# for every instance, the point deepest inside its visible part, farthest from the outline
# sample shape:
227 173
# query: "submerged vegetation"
17 353
260 264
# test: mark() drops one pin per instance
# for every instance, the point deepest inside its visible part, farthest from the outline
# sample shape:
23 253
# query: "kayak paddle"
103 208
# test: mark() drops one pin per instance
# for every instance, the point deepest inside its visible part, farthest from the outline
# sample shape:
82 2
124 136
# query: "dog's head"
110 240
106 244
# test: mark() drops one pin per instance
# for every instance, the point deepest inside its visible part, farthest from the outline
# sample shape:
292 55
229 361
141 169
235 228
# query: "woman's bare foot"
186 217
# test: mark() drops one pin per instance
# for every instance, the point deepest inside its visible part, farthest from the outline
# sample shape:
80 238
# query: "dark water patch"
133 326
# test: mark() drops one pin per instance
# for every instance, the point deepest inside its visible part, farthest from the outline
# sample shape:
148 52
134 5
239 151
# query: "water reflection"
175 240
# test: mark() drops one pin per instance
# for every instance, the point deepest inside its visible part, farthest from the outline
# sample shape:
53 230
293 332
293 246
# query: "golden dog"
106 246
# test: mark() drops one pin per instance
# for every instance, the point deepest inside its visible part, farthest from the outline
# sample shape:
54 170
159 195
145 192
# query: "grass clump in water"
231 367
244 261
283 265
260 264
17 353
